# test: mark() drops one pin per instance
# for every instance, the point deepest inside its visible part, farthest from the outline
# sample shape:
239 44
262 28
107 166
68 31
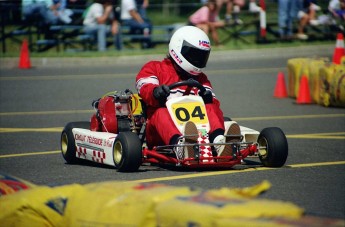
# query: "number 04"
182 113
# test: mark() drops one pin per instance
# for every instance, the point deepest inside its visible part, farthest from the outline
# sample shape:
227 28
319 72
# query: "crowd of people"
132 14
104 17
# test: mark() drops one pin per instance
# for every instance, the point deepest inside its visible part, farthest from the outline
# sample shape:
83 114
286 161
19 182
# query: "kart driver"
189 50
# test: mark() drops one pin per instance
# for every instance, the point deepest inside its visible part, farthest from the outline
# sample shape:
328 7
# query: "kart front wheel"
273 147
68 148
127 152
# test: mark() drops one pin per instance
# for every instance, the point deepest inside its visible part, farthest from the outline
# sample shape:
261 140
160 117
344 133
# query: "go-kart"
115 136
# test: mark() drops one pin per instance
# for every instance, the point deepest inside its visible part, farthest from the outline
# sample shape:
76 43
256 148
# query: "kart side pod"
104 119
112 113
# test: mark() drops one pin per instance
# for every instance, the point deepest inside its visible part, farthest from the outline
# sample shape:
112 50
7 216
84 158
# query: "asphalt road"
37 103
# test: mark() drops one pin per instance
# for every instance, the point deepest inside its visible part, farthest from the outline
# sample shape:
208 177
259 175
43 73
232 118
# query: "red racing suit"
160 127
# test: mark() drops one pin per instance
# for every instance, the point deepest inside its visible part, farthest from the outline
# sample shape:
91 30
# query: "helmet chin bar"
189 68
184 65
181 72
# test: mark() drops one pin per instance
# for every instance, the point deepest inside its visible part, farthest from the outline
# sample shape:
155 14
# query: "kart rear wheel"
127 152
68 148
273 147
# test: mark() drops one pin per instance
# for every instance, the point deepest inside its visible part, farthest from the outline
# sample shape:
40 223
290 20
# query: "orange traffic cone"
303 92
339 50
24 61
280 89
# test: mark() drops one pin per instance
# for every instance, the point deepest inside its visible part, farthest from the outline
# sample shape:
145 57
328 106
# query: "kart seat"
139 106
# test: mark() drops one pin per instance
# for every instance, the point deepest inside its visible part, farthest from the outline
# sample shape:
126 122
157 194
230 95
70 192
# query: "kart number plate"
191 111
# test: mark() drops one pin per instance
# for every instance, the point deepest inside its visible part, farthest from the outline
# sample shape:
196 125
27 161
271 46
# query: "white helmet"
190 48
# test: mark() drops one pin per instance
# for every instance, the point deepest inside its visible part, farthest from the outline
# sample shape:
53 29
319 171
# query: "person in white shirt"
142 6
337 8
62 12
138 25
40 10
95 23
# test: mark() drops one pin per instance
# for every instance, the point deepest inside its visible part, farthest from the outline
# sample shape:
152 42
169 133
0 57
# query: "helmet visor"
195 56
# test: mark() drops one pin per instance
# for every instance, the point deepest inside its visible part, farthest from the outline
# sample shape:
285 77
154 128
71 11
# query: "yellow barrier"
326 80
148 204
314 66
296 68
332 85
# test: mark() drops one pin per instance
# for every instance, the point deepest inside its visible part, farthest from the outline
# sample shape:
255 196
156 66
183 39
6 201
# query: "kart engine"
114 113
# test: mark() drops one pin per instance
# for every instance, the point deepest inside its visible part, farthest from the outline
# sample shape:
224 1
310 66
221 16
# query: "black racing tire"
127 152
68 148
273 147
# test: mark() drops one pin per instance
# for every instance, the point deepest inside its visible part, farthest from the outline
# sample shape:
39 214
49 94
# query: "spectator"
337 8
95 23
253 7
205 18
142 6
40 11
307 11
233 8
138 25
287 12
303 20
306 15
62 12
290 10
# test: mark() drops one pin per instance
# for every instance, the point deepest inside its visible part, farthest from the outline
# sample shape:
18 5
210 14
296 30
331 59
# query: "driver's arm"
146 82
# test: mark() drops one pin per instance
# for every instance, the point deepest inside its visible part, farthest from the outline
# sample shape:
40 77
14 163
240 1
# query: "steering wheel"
189 83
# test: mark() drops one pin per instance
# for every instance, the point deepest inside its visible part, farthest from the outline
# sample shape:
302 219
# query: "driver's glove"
206 96
161 93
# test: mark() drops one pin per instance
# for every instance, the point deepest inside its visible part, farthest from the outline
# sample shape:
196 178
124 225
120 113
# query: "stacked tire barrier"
147 204
326 80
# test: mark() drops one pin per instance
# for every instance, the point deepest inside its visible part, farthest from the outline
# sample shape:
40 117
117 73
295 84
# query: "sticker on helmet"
204 43
174 55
